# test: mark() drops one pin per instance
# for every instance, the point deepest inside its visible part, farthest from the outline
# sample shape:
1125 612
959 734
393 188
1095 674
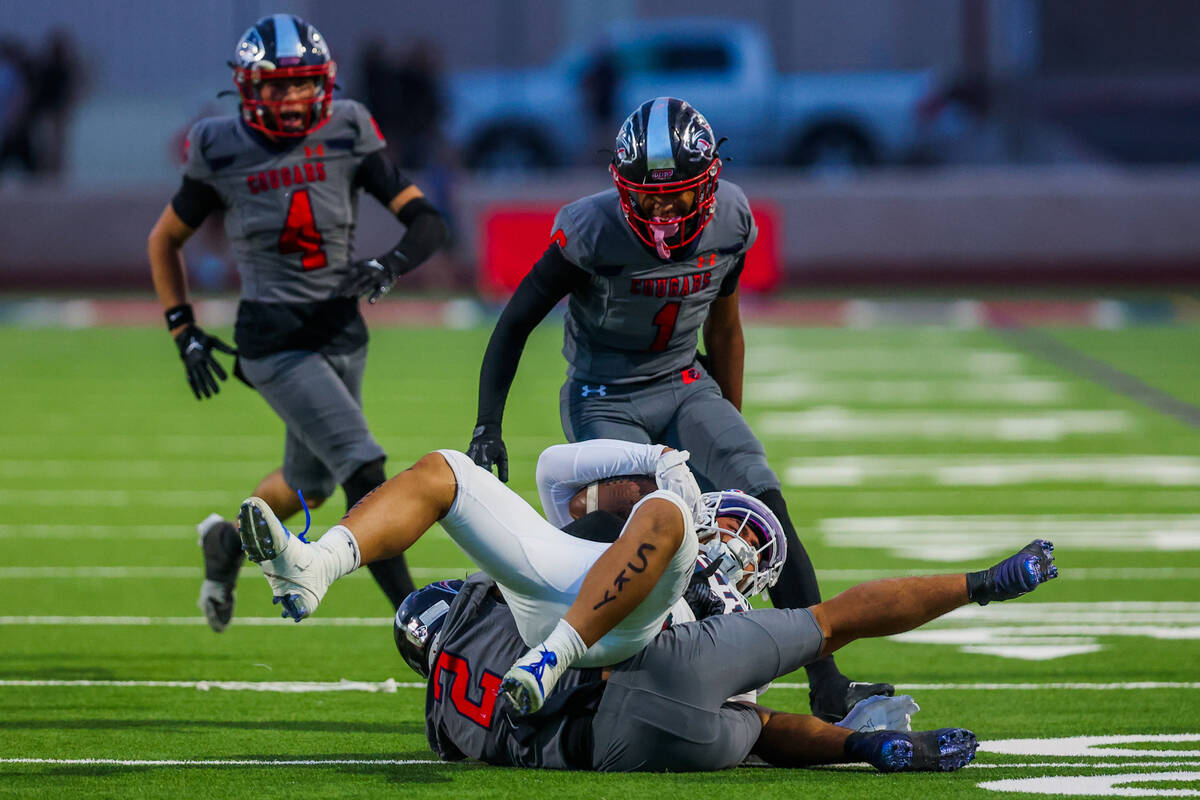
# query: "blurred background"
928 146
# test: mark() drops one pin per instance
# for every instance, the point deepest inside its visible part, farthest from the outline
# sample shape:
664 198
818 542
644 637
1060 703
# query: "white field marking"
1045 631
997 470
833 422
1093 746
93 573
113 498
815 389
229 762
888 361
1122 785
969 537
164 531
855 575
334 622
1074 574
390 685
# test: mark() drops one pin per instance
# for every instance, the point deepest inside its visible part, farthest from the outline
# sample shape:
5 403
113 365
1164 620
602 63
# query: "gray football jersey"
639 317
464 716
290 211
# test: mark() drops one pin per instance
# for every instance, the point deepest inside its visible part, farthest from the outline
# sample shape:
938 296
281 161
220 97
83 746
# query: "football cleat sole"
523 691
258 539
942 750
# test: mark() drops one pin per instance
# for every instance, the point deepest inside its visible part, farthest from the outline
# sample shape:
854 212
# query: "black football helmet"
278 47
666 147
419 620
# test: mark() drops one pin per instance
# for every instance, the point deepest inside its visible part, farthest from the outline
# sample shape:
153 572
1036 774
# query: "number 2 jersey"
290 210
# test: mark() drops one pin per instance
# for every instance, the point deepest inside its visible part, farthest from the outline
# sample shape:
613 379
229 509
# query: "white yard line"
856 575
994 470
391 685
839 423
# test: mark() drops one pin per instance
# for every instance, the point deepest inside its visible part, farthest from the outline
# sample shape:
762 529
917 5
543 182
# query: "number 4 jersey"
290 211
638 317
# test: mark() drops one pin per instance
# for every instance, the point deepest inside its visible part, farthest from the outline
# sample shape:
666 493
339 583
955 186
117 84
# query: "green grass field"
903 450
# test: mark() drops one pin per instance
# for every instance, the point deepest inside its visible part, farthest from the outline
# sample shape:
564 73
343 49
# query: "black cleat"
942 750
222 559
831 706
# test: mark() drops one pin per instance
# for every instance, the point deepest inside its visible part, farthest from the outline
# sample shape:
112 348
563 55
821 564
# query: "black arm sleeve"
380 177
194 201
552 278
425 231
730 284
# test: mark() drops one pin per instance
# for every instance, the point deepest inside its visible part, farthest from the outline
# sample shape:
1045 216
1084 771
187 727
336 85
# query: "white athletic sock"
564 641
342 547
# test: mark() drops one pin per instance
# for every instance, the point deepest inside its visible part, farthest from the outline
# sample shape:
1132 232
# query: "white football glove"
672 473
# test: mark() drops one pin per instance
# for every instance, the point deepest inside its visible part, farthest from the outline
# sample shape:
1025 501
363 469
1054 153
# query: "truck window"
684 57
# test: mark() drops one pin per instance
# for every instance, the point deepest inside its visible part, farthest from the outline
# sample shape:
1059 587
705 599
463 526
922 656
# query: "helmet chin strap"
660 233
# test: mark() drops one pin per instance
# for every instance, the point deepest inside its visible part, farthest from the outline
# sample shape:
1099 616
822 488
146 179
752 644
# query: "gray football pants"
684 410
665 709
319 398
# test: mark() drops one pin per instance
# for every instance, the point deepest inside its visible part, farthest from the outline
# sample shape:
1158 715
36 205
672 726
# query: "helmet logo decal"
696 140
661 174
659 150
626 149
250 49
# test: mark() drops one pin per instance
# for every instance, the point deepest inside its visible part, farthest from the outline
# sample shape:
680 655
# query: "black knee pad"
364 480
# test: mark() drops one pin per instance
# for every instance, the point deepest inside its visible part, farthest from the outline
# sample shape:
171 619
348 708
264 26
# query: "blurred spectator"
419 106
16 141
598 88
53 91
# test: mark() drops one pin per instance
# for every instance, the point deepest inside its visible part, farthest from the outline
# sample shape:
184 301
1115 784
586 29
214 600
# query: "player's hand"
672 473
196 349
487 448
374 275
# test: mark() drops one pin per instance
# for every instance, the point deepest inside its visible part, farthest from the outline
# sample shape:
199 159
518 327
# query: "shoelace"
548 659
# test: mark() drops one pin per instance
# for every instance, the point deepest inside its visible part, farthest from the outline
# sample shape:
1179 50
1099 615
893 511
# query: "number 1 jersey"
638 317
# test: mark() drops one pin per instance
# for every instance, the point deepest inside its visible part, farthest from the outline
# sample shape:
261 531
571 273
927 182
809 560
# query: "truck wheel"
508 148
833 148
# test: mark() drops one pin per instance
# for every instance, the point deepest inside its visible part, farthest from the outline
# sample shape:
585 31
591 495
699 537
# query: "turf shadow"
181 725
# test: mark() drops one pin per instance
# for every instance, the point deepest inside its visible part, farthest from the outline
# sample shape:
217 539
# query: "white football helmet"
752 554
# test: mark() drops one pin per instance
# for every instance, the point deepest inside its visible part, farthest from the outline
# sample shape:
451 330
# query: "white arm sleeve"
564 469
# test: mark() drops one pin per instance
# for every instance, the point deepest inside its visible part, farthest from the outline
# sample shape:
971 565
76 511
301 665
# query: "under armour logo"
599 391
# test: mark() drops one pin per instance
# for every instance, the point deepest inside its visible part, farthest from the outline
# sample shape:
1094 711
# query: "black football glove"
699 594
487 448
374 275
195 348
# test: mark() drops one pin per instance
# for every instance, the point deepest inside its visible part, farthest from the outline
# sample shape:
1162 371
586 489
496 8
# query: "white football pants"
540 569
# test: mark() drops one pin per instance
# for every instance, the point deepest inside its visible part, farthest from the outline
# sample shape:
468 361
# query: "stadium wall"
946 229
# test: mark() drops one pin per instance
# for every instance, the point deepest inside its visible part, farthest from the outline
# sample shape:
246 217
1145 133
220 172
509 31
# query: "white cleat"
298 572
881 713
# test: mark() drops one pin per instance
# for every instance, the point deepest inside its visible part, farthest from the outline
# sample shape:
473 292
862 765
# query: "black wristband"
179 315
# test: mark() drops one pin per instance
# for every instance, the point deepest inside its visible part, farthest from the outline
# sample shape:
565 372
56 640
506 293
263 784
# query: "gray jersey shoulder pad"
202 141
591 231
351 118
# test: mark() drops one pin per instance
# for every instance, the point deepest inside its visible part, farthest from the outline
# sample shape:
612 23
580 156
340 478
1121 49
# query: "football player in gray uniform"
648 266
286 173
648 695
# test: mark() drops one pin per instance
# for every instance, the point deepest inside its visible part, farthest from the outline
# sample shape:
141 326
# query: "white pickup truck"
539 118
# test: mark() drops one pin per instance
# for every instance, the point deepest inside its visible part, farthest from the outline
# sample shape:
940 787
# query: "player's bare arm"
726 346
164 250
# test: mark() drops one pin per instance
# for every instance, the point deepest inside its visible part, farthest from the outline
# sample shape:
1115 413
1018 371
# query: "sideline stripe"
1042 344
390 685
